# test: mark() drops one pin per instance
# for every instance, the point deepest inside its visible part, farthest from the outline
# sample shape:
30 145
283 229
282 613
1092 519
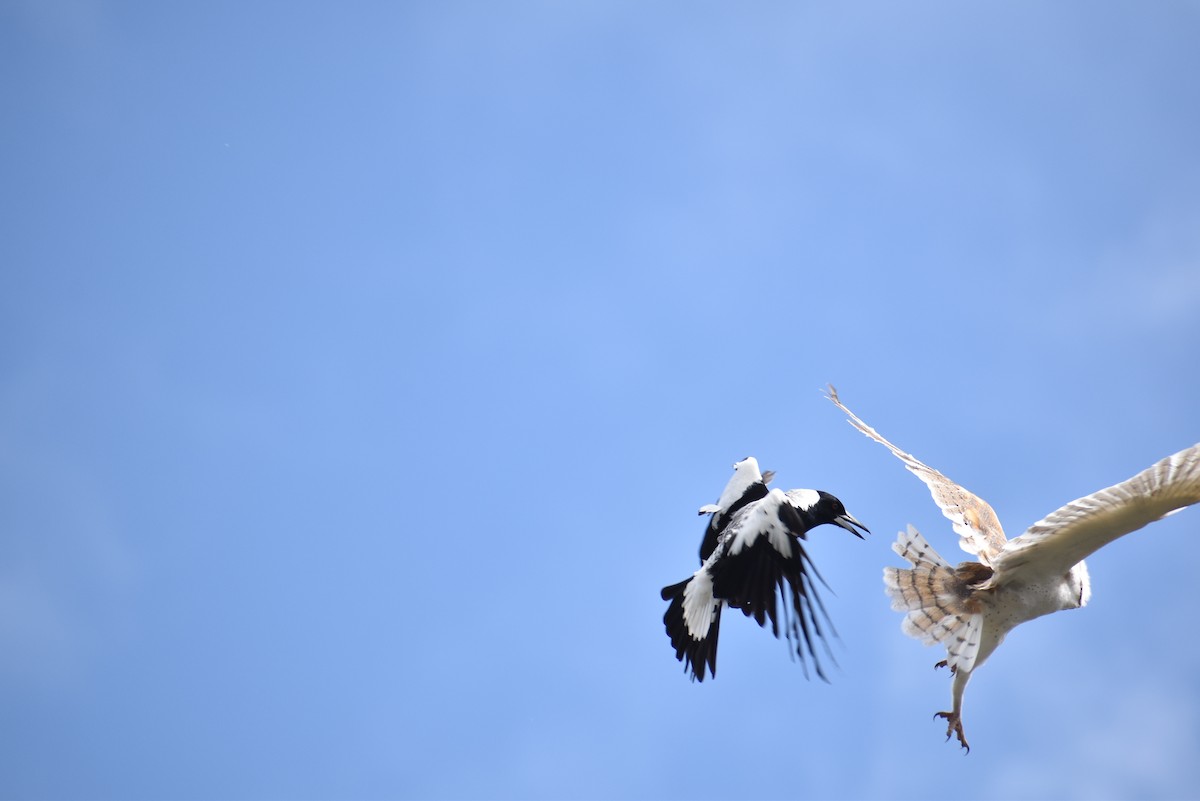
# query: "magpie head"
828 509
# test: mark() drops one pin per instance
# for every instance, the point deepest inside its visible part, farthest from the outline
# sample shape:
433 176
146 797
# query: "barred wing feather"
934 595
975 522
1065 537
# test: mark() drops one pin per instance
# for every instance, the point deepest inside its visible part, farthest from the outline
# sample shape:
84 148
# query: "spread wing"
977 526
762 553
1064 538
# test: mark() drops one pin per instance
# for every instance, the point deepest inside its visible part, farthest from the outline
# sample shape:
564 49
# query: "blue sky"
362 368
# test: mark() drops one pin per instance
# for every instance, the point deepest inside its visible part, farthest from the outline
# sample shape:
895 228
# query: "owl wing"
1062 539
979 530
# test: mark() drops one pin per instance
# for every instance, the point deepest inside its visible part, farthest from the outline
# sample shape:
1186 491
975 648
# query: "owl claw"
954 726
944 663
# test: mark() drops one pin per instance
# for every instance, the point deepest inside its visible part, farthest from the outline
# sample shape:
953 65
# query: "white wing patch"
1054 544
803 498
760 518
745 473
698 606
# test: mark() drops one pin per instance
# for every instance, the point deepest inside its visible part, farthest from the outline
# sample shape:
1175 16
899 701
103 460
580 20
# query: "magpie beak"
753 560
848 522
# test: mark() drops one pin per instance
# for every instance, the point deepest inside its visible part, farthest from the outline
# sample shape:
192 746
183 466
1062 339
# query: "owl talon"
954 726
944 663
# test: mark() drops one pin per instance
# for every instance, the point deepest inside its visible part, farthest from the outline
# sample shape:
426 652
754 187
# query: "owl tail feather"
937 599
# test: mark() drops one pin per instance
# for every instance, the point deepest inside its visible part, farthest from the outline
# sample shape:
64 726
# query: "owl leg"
954 726
945 663
954 716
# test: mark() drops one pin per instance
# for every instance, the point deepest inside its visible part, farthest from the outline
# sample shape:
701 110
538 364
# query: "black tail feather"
696 655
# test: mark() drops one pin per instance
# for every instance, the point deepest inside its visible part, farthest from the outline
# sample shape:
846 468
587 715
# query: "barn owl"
970 608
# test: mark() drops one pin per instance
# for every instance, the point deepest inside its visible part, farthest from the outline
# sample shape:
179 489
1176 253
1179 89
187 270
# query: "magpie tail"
693 621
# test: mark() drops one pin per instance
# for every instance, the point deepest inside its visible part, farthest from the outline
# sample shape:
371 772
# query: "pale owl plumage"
971 607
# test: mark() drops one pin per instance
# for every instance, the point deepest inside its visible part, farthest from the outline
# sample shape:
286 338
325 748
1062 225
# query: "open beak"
848 522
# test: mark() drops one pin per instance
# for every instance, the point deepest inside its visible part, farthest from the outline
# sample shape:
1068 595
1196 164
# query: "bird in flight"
751 547
970 608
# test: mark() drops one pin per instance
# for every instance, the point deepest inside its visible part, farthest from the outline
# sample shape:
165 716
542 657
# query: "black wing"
718 521
696 652
765 553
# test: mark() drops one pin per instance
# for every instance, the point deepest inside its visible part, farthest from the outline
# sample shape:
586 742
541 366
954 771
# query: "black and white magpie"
751 546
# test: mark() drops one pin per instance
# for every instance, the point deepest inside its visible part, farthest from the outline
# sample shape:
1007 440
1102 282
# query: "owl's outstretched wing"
1062 539
974 521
